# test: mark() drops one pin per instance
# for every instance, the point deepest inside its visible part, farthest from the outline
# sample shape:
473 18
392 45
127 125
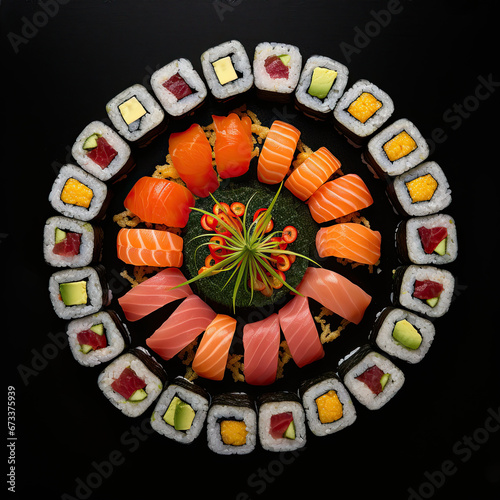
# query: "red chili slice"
289 234
282 244
270 224
222 208
283 262
215 247
238 208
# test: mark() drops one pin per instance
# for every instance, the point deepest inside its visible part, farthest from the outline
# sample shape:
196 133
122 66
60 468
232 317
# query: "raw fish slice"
233 145
261 342
149 247
335 292
160 201
349 241
211 356
277 153
154 293
191 155
312 173
300 331
339 197
191 318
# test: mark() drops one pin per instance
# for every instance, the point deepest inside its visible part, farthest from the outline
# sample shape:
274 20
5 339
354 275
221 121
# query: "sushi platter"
253 253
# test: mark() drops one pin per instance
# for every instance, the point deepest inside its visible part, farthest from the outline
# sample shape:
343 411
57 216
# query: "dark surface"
62 61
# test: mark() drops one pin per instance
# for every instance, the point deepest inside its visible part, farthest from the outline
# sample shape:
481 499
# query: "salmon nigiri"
300 331
233 145
312 173
335 292
277 153
160 201
349 241
149 247
261 343
191 318
192 158
339 197
211 356
155 292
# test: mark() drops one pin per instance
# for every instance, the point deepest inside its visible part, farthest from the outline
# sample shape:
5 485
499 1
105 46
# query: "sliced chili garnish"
202 269
211 261
257 285
283 262
270 224
238 208
222 208
282 244
289 234
204 223
220 227
275 282
215 247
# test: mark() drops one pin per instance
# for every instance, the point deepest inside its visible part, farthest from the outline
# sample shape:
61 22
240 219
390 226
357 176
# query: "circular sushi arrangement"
234 224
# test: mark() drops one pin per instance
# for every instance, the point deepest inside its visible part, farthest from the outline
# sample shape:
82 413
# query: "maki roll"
75 193
423 190
181 411
232 424
71 243
327 404
179 88
361 111
227 70
282 425
102 152
132 381
396 149
403 334
276 68
136 115
424 289
427 240
321 84
97 338
78 292
370 377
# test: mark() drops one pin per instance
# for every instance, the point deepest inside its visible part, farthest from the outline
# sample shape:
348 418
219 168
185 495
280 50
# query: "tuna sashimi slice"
154 293
211 356
261 343
127 383
335 292
300 331
191 318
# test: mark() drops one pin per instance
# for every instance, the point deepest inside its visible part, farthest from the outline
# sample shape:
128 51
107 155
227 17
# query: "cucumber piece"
99 329
285 58
85 348
384 379
91 142
441 248
432 302
290 431
139 395
60 235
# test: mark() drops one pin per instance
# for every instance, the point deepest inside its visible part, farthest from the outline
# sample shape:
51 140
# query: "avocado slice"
285 59
321 82
183 417
99 329
441 248
290 431
384 379
407 335
91 142
139 395
170 413
432 302
73 293
60 235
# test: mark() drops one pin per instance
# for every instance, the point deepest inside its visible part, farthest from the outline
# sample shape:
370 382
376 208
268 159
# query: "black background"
62 61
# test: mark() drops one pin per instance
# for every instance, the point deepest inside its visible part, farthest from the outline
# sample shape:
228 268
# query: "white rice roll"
240 63
146 368
172 105
99 194
117 337
90 242
383 334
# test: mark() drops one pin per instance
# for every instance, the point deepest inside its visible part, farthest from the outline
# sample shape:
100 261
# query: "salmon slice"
300 331
261 343
277 153
335 292
339 197
349 241
191 155
233 145
160 201
154 293
312 173
211 356
149 247
191 318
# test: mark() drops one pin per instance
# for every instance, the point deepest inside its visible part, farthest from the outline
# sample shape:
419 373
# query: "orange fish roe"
399 146
364 107
422 188
76 193
329 407
233 432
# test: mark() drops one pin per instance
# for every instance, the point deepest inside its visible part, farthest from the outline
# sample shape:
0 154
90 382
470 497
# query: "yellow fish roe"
399 146
422 188
364 107
329 407
76 193
233 432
